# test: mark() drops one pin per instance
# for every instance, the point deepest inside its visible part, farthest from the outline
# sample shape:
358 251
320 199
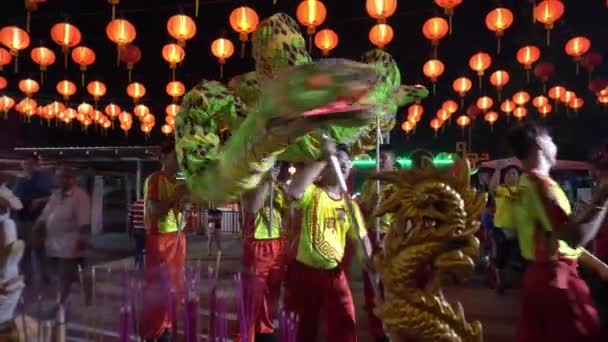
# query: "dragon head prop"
436 216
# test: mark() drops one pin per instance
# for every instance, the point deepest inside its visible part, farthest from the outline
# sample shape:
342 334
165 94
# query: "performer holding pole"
315 282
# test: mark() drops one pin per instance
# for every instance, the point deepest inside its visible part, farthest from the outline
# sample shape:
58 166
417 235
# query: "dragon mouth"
343 104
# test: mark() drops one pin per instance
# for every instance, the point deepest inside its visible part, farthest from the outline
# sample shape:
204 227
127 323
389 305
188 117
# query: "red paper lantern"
244 20
434 30
29 87
491 117
85 108
113 110
121 32
380 9
520 113
480 62
433 69
381 35
545 109
528 55
312 14
130 55
136 91
172 110
175 89
67 36
141 111
222 49
473 111
462 86
42 56
436 124
415 112
448 7
498 20
521 98
97 89
567 97
443 114
463 121
3 83
182 28
576 103
597 86
484 103
556 92
548 12
66 89
166 129
15 39
507 106
6 104
450 106
408 126
540 101
326 40
591 60
5 58
499 79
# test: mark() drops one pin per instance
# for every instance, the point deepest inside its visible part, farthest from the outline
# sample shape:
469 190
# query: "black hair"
504 171
167 147
343 148
521 139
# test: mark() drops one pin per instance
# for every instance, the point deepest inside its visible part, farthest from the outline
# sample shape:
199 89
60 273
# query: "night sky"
574 133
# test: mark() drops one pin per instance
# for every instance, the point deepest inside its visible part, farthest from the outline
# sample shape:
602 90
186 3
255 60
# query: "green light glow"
403 162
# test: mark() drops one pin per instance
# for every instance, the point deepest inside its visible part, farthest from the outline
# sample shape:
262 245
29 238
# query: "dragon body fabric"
436 214
229 136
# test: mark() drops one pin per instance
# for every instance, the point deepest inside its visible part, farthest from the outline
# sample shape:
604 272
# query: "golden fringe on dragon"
436 217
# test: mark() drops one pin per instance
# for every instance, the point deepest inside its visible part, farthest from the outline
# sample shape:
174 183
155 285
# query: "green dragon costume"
281 110
436 214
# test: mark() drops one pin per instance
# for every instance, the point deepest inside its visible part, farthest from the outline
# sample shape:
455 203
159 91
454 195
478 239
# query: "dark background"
349 19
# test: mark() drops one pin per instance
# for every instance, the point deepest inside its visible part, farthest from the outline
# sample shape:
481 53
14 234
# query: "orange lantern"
567 97
556 93
175 89
462 86
182 28
173 54
576 103
603 99
463 121
3 83
521 98
15 39
148 119
222 49
112 110
498 20
520 113
172 110
527 56
311 13
479 63
448 6
136 91
83 56
27 105
415 112
6 104
44 57
170 120
67 36
66 89
97 89
121 32
380 9
381 35
491 118
436 124
484 103
130 55
146 129
499 79
126 126
433 69
125 117
5 58
450 106
326 40
71 113
408 126
548 12
85 108
507 106
29 87
141 111
576 48
540 101
244 20
434 30
56 107
166 129
545 109
443 114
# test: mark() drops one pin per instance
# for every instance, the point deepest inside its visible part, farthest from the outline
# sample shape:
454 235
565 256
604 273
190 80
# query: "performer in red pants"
316 285
263 255
556 304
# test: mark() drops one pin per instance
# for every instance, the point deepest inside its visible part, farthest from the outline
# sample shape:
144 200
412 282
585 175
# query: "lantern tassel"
548 37
196 6
480 83
533 16
577 68
173 74
16 69
129 75
499 45
499 94
117 55
309 42
65 58
41 77
82 79
242 49
113 12
450 24
528 75
221 71
434 88
27 21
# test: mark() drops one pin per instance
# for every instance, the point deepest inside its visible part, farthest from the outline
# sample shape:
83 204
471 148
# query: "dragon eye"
440 206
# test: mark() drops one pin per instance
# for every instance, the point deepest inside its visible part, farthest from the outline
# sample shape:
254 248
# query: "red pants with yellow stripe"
264 267
556 305
163 275
320 295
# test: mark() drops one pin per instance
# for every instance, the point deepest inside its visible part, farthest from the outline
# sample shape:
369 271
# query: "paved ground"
111 256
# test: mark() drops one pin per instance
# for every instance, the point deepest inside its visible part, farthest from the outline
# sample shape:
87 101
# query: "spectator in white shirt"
67 223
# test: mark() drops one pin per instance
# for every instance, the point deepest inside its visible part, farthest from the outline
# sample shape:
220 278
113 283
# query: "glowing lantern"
597 86
172 109
56 107
448 7
540 101
148 119
463 121
556 93
130 55
545 109
491 118
436 124
507 106
408 126
5 58
125 117
415 112
462 86
170 120
548 12
498 20
182 28
433 69
67 36
520 113
27 105
311 13
499 79
166 129
121 32
576 48
434 30
380 9
44 57
66 89
443 114
146 129
141 111
15 39
85 108
450 106
244 20
112 110
126 126
222 49
592 60
136 91
326 40
381 35
29 87
6 104
576 103
31 6
484 103
84 57
3 83
603 99
175 89
567 97
544 70
521 98
173 54
479 63
96 89
527 56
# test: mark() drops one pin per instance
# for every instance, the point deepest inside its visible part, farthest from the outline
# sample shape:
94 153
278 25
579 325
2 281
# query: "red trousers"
320 295
264 267
556 305
163 275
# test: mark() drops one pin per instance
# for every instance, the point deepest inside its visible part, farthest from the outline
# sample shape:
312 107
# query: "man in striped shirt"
137 231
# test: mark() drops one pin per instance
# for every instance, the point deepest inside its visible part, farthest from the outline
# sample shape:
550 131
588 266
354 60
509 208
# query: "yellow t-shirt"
537 215
262 218
505 195
369 200
325 225
161 187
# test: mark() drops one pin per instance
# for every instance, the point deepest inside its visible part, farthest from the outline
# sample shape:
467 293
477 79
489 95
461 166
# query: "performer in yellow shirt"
316 285
556 305
264 253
